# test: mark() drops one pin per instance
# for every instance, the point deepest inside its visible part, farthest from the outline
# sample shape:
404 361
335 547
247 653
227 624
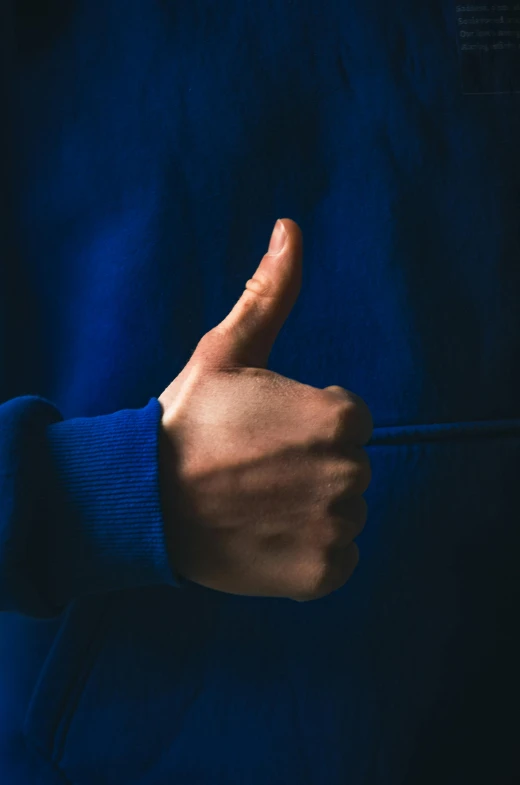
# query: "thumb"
247 335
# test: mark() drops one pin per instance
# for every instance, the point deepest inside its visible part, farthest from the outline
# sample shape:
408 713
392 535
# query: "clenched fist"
261 476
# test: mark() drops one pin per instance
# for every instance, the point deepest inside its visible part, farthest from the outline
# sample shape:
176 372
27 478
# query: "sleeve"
80 505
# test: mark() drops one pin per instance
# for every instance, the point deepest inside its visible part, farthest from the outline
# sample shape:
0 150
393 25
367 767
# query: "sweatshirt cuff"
109 533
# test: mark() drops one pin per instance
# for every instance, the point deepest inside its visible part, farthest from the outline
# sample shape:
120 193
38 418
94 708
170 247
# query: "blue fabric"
77 519
146 152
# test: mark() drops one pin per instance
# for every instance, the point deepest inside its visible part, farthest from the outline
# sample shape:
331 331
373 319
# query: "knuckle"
340 391
363 510
356 417
312 582
360 516
328 575
351 414
349 521
352 477
346 412
212 338
361 474
319 585
340 421
347 559
260 284
349 419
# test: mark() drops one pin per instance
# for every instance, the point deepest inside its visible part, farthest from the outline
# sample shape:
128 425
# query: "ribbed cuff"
110 530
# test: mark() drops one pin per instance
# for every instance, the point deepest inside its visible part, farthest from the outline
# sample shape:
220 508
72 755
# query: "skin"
261 476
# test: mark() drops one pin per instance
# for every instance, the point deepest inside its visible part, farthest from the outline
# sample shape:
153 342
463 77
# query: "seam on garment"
46 761
77 685
455 431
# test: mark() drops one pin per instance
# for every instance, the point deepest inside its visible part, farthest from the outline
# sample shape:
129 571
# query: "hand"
262 477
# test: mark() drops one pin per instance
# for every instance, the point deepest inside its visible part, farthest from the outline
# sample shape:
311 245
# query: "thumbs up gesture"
262 477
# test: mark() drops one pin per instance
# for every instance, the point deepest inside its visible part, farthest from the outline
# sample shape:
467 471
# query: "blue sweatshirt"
147 149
